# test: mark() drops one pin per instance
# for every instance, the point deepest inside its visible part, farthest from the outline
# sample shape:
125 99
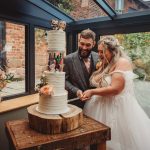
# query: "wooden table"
22 137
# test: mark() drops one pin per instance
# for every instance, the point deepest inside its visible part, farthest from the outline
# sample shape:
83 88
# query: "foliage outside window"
137 45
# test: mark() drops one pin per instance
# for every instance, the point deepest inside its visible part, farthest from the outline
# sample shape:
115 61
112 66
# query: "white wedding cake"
56 102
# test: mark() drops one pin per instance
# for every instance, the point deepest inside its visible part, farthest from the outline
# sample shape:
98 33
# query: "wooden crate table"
22 137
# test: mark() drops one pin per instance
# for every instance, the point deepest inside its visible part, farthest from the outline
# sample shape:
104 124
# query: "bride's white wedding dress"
130 126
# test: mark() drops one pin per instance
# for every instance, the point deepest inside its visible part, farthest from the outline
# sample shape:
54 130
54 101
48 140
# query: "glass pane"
12 58
137 46
129 6
41 54
79 9
86 9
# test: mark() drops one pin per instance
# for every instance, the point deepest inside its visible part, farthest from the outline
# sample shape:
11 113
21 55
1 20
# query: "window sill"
6 106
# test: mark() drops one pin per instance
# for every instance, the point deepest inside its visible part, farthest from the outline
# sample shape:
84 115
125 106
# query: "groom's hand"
86 95
79 94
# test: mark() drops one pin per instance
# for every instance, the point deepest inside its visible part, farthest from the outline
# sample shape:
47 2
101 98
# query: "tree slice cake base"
52 124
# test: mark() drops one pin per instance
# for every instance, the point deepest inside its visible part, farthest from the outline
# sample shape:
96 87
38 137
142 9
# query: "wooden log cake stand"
52 124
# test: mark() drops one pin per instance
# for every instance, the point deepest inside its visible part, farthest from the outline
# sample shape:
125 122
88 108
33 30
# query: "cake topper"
62 25
54 24
58 25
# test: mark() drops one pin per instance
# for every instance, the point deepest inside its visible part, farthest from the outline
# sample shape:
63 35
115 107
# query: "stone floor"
142 93
13 88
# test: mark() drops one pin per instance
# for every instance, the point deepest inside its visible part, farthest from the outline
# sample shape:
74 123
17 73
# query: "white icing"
57 103
56 40
53 104
57 80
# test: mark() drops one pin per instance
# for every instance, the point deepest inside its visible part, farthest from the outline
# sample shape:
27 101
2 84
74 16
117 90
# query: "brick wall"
129 4
15 49
81 10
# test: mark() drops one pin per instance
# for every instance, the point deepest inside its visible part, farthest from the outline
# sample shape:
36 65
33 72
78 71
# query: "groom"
79 66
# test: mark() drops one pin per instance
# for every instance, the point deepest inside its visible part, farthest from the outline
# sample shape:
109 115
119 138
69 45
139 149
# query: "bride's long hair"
112 44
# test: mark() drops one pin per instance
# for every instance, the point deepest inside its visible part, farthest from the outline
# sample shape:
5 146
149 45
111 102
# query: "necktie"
87 62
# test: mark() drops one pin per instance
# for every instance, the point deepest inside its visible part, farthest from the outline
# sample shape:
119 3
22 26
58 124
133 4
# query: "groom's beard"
84 53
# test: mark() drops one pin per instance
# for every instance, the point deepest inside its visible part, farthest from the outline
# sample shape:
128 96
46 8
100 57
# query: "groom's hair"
88 34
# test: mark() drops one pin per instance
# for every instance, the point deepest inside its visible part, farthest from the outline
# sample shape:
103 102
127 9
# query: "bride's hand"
86 95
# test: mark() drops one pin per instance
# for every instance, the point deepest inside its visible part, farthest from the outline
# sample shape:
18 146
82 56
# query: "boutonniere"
98 64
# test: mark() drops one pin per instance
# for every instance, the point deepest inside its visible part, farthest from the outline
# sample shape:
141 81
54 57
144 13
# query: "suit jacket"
77 76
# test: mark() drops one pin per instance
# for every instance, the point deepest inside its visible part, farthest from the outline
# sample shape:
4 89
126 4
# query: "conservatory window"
12 61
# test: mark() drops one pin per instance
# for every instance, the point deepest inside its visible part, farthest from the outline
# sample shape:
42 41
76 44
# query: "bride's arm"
115 88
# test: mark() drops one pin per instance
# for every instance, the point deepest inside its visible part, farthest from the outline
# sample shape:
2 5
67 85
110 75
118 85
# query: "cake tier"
57 80
56 40
56 104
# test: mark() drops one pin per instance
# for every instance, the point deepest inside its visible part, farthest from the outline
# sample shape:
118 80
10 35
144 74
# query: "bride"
113 102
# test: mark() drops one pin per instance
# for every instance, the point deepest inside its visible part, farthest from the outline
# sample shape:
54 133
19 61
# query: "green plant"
135 40
137 46
43 82
5 78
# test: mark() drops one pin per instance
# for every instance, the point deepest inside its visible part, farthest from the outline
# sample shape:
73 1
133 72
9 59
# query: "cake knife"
73 99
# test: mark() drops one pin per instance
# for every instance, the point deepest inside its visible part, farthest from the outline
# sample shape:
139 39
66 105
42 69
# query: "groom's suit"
77 76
